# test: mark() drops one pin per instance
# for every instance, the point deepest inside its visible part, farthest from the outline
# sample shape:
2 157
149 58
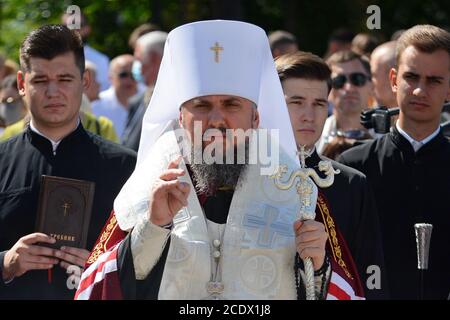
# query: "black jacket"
410 187
23 160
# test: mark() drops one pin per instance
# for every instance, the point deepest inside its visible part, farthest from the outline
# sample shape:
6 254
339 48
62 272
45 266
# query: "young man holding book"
51 82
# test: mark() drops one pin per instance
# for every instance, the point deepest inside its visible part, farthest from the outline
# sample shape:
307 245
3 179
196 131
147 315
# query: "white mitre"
216 57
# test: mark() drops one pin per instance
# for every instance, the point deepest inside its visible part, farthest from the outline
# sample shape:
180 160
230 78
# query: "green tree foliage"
311 21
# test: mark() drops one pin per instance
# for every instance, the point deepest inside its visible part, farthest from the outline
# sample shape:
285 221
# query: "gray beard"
209 177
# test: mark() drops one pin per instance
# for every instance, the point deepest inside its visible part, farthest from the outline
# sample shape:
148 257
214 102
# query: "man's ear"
255 120
393 79
21 83
180 117
86 79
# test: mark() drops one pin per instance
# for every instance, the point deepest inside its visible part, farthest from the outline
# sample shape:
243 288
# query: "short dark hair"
425 38
342 35
50 41
364 43
303 65
281 38
140 31
346 56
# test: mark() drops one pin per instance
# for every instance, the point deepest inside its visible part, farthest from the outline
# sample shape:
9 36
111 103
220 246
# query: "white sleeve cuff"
147 244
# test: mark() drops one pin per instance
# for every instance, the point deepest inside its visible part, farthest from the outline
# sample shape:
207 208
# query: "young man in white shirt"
409 167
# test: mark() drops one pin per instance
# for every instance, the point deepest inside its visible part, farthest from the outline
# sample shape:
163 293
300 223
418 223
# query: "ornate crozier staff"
307 192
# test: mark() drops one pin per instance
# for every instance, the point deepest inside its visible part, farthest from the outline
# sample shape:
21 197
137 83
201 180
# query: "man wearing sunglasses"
113 103
351 89
409 169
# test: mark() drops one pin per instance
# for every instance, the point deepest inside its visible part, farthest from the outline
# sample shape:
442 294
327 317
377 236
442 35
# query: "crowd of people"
166 227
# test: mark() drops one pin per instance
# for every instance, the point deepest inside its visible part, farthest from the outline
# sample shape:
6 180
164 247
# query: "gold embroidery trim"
330 228
100 247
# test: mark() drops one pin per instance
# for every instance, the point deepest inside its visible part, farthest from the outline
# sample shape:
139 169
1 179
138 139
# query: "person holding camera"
409 169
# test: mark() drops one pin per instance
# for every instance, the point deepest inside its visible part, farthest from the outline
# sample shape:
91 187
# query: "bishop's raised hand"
168 195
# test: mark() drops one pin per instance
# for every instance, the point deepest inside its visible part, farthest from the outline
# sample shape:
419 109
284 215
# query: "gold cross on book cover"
64 210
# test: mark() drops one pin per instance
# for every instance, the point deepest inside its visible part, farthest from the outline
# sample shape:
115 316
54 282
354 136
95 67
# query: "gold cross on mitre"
217 48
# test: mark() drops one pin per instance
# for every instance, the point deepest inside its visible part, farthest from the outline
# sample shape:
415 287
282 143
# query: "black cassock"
410 187
351 205
23 160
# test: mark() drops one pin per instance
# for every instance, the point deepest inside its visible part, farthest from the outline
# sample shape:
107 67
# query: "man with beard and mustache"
211 178
408 168
200 229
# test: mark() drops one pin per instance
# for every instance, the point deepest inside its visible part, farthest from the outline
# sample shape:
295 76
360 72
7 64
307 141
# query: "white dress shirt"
417 144
55 144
